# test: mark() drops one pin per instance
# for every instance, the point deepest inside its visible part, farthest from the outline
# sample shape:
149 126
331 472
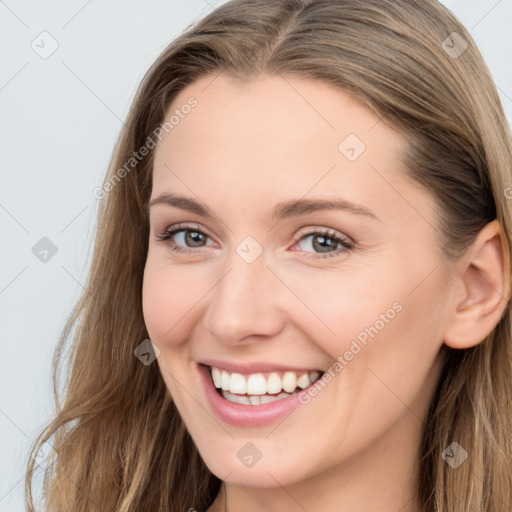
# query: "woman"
299 296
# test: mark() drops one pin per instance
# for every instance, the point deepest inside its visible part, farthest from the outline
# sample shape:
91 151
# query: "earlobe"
484 276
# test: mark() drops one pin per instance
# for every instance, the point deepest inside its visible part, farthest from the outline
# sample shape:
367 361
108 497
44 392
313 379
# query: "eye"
325 242
184 238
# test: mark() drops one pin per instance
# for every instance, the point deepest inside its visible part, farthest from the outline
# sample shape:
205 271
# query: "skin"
246 147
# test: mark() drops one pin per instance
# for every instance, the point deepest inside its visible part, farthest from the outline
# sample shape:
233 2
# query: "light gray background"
59 119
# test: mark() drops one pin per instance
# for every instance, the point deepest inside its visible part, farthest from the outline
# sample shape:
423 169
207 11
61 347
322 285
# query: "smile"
261 388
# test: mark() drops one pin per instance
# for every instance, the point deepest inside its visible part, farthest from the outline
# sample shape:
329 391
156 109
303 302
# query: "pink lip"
246 368
245 415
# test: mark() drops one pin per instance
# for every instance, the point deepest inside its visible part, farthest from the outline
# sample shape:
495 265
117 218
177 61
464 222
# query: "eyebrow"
291 208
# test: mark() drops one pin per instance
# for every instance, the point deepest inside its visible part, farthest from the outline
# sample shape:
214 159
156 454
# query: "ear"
483 278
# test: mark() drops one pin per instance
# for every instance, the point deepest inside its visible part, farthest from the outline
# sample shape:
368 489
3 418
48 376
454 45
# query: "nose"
244 305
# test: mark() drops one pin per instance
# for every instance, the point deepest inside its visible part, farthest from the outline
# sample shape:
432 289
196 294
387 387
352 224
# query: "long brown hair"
120 442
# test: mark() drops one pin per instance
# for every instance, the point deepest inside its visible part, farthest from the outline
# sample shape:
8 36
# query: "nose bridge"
242 302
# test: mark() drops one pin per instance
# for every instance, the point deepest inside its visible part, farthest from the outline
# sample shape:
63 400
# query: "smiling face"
252 283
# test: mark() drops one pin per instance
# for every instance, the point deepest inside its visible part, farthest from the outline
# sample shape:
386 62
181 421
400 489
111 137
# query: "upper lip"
253 367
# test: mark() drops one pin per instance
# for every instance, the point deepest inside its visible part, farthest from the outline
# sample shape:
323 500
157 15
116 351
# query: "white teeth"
255 399
237 384
289 382
266 399
303 381
256 384
225 381
274 384
237 399
216 376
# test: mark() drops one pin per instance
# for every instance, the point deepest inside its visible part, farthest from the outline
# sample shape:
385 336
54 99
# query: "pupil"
193 237
327 241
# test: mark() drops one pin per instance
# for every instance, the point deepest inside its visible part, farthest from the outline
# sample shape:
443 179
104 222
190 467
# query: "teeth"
289 382
216 376
237 384
253 399
237 399
225 381
266 399
303 381
258 386
274 384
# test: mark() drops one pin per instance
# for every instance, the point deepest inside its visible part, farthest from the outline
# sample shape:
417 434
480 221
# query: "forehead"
274 113
276 137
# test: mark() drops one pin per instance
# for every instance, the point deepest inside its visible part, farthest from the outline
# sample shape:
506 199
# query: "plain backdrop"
68 72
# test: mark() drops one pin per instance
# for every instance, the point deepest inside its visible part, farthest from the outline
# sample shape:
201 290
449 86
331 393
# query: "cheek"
339 307
169 298
174 300
399 345
373 318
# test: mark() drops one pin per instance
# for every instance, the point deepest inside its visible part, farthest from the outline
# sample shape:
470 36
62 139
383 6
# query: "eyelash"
346 244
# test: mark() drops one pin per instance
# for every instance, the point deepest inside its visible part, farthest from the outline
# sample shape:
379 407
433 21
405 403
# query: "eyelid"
185 226
334 233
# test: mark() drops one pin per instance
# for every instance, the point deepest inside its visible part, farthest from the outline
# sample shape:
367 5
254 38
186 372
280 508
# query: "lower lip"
246 415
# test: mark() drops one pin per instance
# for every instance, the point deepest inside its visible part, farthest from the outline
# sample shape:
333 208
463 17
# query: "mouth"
261 388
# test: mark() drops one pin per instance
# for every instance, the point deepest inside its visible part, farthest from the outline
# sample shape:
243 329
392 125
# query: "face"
301 251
